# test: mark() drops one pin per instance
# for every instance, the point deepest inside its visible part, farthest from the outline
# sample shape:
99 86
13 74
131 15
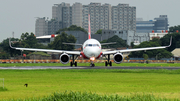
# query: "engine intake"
64 58
118 58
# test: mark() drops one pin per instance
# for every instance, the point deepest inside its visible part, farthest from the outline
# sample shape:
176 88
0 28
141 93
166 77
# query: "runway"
84 67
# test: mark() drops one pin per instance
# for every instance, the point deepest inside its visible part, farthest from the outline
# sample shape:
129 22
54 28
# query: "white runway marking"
40 67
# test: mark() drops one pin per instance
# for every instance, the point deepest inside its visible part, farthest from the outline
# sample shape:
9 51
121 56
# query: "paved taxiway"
83 67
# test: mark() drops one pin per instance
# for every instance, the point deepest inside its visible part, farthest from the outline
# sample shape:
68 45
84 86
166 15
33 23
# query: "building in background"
103 16
100 16
157 35
159 25
144 26
41 27
44 26
126 35
123 17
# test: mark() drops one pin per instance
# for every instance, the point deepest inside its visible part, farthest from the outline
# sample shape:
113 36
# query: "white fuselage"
91 48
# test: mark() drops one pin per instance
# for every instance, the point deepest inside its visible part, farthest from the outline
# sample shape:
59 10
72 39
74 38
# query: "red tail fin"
89 27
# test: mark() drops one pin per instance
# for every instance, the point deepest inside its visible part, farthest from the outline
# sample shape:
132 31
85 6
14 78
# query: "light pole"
157 55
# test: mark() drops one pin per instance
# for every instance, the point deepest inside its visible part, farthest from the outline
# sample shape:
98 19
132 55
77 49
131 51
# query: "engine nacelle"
64 58
118 58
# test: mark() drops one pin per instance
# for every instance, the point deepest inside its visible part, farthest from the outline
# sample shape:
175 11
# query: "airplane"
91 49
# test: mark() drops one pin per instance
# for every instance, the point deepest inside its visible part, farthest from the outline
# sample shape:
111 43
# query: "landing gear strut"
92 64
72 62
108 62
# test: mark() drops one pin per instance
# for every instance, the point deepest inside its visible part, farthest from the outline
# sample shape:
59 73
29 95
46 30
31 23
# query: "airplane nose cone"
93 53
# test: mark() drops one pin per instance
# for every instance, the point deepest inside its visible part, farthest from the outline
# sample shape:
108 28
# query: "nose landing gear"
92 64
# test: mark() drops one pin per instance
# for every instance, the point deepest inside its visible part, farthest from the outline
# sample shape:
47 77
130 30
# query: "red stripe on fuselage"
99 55
84 56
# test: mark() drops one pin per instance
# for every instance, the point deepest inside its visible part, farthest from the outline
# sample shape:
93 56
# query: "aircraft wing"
137 49
45 50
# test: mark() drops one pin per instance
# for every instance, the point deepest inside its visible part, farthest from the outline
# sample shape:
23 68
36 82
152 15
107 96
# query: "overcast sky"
19 16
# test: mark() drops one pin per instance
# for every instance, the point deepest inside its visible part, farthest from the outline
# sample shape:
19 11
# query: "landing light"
92 58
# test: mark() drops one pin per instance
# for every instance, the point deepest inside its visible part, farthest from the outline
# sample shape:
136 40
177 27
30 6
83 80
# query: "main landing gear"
72 62
108 62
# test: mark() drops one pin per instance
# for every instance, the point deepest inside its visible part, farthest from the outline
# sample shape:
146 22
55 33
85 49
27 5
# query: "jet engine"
64 58
118 58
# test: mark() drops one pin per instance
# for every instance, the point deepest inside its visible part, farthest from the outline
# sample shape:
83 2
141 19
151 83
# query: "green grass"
159 83
79 96
88 64
3 89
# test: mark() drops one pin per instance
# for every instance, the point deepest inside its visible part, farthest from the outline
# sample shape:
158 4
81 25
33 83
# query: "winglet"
10 42
89 27
170 42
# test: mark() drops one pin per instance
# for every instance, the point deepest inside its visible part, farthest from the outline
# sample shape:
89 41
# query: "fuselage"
91 48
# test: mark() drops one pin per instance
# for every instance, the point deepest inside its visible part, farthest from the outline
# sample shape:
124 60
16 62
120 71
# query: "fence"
84 61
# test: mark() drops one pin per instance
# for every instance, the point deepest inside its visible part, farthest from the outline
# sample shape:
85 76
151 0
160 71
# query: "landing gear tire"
108 63
92 65
75 64
71 64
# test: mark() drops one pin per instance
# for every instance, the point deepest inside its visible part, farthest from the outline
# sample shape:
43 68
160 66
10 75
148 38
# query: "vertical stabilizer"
89 27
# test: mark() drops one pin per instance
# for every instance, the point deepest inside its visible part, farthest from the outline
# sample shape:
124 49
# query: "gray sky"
18 16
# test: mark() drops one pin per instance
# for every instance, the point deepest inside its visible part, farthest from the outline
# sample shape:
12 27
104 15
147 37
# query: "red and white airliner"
91 49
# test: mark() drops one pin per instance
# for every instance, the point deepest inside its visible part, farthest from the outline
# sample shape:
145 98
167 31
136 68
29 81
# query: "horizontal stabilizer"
72 44
108 43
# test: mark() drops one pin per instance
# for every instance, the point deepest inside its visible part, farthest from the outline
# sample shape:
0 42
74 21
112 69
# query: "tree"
145 56
58 42
99 31
174 29
28 40
132 44
72 28
7 50
119 42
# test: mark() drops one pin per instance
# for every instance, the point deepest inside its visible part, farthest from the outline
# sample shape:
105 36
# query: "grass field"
96 64
161 83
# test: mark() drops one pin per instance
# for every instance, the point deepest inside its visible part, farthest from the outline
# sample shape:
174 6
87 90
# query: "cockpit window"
90 45
95 45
